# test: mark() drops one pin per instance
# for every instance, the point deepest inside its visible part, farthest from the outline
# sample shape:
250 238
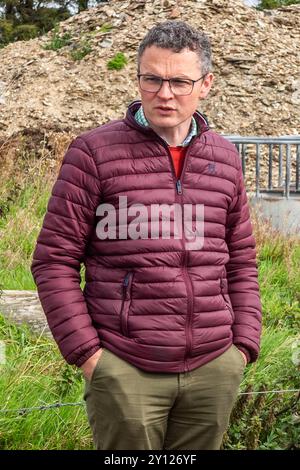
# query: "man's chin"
162 121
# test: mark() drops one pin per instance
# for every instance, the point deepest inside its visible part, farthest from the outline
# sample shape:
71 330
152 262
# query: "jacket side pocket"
226 298
126 302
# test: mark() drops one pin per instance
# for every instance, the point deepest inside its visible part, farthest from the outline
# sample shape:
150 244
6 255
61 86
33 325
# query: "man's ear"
206 86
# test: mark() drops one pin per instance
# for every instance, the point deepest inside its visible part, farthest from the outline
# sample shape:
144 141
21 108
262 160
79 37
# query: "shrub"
105 28
58 41
271 4
6 30
81 50
23 32
117 62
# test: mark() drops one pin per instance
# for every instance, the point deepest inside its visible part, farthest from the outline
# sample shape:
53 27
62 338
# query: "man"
164 327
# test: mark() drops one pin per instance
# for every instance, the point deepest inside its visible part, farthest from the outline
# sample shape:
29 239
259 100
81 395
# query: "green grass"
117 62
106 28
19 229
279 281
266 421
81 50
34 375
57 40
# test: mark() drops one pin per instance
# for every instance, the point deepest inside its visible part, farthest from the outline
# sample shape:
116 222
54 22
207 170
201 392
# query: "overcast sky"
251 2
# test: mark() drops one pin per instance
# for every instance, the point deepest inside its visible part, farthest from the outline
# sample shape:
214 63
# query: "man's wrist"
245 353
87 355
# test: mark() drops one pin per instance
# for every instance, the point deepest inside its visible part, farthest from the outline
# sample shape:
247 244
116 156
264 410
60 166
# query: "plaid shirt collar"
141 119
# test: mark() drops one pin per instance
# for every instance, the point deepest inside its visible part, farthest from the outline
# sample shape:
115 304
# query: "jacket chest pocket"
126 302
226 298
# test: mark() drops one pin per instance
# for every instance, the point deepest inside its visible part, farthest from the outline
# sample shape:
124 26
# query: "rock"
106 43
24 307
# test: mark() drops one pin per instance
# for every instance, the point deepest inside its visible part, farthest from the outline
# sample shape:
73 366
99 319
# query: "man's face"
165 63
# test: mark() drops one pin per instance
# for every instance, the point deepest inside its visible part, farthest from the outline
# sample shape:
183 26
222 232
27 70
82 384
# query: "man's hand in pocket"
244 357
89 365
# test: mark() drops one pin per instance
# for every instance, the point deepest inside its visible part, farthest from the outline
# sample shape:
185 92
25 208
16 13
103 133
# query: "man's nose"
165 90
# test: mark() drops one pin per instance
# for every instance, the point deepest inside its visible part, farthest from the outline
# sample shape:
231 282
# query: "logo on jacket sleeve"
211 167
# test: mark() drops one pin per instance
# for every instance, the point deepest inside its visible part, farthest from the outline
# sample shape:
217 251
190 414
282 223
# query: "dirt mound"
256 63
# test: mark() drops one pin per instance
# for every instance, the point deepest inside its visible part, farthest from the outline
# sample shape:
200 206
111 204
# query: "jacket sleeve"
60 250
242 275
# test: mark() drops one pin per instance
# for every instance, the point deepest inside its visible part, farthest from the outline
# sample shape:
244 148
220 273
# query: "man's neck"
174 135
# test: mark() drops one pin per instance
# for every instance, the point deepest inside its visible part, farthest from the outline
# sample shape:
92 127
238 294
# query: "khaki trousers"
129 408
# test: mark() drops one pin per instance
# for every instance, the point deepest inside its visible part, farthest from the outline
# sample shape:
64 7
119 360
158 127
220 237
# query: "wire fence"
22 411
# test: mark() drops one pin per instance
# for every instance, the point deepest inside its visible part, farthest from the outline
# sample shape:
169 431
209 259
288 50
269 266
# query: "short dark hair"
178 35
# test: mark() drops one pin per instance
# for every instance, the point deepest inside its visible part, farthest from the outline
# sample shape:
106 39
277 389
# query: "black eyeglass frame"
169 80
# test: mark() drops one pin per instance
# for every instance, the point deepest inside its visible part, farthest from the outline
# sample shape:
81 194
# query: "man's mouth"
164 109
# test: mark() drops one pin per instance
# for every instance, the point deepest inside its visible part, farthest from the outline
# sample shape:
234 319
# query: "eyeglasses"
178 86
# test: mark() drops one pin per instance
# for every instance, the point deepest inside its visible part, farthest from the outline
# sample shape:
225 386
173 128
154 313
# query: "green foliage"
78 50
25 22
279 281
58 41
35 374
271 4
105 28
266 420
81 50
48 18
23 32
117 62
6 32
25 210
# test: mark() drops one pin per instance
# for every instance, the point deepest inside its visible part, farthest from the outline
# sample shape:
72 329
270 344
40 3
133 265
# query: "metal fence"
279 157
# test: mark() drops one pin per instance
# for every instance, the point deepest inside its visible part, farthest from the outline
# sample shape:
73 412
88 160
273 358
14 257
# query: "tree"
25 19
82 5
271 4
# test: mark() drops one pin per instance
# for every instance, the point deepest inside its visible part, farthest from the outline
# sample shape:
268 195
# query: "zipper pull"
126 280
178 187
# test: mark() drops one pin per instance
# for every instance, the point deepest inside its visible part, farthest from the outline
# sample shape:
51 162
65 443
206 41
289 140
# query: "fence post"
257 172
288 171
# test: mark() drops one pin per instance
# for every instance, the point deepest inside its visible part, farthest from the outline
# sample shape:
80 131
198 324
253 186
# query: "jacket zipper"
126 299
177 181
179 191
190 307
186 276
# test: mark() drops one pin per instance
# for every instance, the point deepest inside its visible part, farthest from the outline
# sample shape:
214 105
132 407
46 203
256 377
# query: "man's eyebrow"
183 76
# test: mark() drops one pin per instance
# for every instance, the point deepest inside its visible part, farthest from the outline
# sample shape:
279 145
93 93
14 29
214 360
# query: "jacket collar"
202 122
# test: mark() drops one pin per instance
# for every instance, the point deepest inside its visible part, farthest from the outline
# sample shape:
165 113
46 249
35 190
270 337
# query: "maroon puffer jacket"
152 302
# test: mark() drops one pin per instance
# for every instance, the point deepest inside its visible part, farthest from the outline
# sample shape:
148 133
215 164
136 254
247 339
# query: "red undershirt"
178 154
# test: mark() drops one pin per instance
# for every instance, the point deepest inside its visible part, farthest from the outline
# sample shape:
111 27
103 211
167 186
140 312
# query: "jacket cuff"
87 355
245 351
